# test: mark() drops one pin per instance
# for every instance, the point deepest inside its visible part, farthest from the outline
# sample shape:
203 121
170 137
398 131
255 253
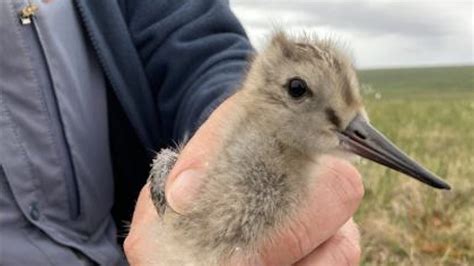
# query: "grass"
429 113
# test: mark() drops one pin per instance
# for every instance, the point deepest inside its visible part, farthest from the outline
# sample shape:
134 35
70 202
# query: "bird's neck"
253 137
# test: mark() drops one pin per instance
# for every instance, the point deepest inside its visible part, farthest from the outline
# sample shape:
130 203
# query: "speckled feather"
162 165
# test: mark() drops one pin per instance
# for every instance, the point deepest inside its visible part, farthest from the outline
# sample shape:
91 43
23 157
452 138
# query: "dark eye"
297 88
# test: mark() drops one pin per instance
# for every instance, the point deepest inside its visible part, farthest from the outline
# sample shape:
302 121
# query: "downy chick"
300 100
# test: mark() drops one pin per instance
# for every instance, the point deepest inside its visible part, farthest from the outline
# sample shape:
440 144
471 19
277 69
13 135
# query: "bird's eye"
297 88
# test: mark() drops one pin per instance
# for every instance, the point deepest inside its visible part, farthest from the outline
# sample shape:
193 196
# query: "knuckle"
129 244
126 249
352 254
299 243
348 252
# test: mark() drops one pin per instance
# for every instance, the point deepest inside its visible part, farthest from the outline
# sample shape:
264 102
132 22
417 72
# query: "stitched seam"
39 95
8 115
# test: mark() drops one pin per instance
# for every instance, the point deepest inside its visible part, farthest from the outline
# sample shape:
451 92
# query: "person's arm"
321 233
194 54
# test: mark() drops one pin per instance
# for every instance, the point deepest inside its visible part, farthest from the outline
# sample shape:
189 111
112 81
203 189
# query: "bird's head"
307 94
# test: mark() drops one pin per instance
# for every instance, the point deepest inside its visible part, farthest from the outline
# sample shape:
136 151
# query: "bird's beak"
364 140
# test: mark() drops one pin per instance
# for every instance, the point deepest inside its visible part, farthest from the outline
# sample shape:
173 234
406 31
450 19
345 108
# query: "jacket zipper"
27 17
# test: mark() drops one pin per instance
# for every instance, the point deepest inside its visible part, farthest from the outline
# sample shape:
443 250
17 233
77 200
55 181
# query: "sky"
377 33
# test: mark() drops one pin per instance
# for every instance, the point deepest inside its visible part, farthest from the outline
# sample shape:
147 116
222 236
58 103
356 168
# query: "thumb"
187 176
184 189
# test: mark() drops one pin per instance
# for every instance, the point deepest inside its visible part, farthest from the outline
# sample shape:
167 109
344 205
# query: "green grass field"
429 113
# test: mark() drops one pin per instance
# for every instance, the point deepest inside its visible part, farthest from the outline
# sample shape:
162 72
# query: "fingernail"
184 189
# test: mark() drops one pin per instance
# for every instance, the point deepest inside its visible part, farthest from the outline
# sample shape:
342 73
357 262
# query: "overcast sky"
379 33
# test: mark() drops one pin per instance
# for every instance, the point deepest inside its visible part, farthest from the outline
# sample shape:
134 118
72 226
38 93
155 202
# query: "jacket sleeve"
194 54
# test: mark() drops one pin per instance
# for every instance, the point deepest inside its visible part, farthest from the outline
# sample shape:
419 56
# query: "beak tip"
441 185
446 187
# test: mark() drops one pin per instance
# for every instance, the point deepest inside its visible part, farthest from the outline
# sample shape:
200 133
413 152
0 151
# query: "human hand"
322 232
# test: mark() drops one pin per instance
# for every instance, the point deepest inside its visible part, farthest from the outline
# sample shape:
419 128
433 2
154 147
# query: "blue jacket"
168 64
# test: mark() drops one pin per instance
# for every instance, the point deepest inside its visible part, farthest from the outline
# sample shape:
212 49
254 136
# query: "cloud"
381 33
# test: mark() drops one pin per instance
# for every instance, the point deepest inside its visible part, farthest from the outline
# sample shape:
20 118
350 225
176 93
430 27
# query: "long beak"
364 140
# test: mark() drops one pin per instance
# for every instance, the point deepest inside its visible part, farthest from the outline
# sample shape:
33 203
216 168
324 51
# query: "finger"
185 178
143 227
333 198
144 209
341 249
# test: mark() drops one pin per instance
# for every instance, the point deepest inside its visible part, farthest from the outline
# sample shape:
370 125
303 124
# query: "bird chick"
299 100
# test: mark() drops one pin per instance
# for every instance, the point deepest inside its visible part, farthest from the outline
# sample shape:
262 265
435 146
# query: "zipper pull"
27 13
